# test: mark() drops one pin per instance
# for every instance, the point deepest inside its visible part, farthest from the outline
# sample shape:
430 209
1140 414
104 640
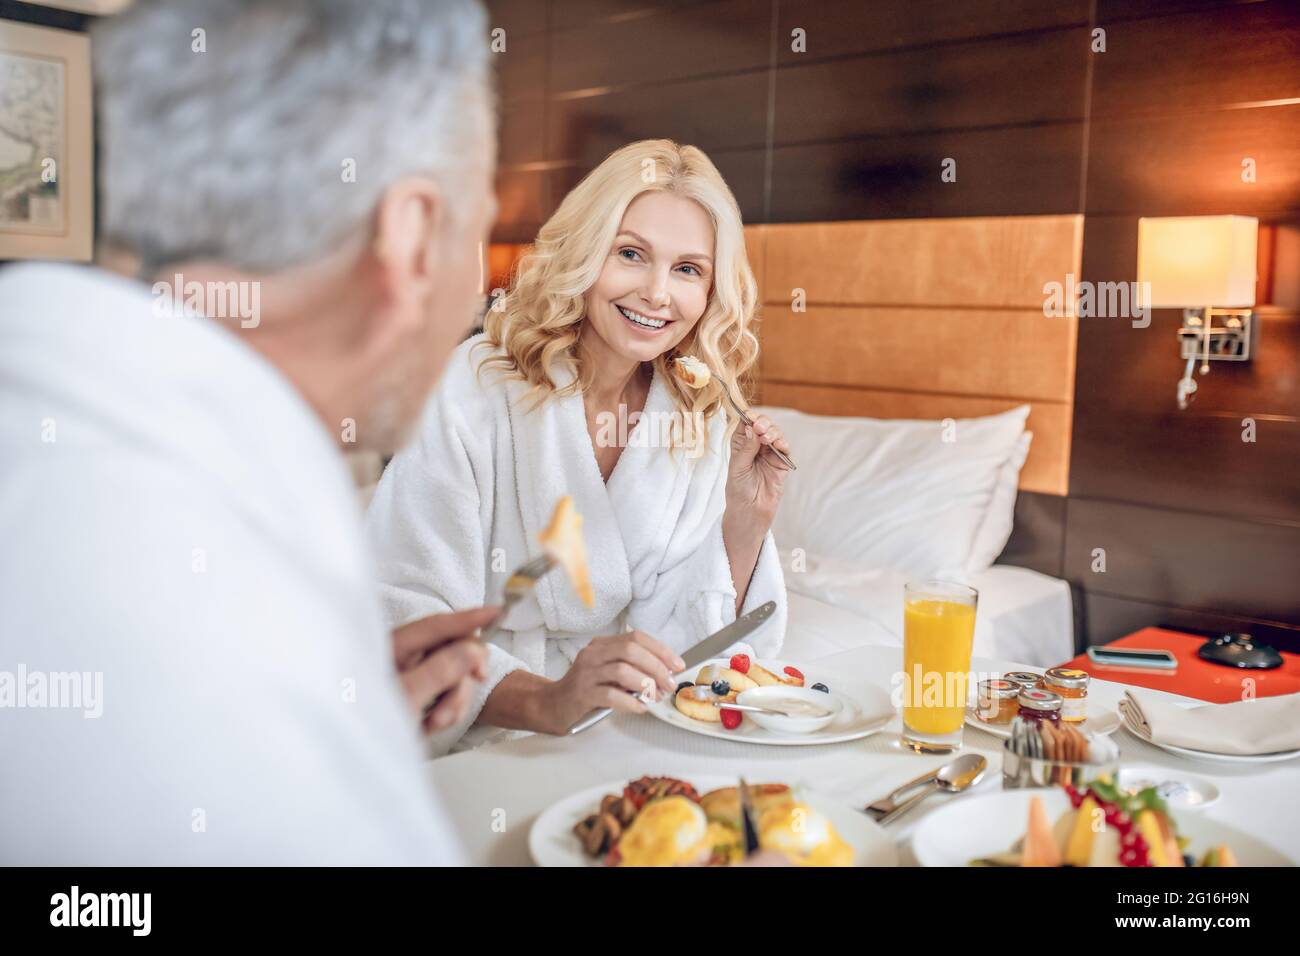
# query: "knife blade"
747 819
711 646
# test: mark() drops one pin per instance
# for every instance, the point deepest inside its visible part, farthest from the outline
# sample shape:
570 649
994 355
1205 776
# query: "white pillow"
893 492
995 531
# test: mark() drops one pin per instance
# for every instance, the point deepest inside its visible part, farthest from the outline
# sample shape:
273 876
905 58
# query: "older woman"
571 391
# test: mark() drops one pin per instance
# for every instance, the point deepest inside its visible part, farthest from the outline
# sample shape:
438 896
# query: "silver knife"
711 646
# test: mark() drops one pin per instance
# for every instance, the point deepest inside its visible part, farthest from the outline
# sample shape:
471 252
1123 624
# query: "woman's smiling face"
655 283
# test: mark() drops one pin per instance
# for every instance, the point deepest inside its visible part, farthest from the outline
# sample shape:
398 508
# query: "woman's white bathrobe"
461 507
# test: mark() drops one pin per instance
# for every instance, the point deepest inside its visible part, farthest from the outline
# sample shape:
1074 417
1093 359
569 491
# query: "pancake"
686 702
711 672
765 678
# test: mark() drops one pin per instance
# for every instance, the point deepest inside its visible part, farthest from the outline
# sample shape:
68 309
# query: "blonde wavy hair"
542 317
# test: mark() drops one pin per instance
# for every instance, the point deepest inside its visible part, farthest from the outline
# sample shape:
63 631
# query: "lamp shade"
1197 261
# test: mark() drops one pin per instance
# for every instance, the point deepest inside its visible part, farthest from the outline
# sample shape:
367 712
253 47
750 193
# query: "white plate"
971 827
1099 719
552 843
851 723
1182 791
1217 758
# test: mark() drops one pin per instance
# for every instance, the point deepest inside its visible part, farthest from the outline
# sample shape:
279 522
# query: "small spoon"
961 774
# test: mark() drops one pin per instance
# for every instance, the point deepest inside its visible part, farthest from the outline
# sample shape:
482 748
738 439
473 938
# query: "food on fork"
562 540
661 821
691 371
1105 827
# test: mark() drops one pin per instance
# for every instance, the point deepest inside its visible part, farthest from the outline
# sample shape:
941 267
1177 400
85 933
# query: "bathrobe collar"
621 523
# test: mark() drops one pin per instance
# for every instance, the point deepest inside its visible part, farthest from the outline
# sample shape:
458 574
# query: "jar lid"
1000 688
1068 677
1023 677
1043 701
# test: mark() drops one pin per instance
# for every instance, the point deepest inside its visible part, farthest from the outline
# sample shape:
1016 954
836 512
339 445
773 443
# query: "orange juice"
937 638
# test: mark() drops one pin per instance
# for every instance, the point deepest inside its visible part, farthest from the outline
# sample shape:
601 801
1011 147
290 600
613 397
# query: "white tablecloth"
493 794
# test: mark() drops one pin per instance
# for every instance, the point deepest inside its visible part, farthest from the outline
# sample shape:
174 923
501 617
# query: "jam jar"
997 703
1040 705
1023 678
1071 685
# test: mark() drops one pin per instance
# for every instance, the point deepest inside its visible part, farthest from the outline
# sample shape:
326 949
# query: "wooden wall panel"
1205 562
971 84
708 38
1002 171
1046 470
1190 164
839 27
1202 60
589 128
1008 354
954 262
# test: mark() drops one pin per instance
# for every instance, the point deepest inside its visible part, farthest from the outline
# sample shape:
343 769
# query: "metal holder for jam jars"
1025 763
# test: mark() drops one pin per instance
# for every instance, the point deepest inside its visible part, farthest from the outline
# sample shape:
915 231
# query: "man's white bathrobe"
461 507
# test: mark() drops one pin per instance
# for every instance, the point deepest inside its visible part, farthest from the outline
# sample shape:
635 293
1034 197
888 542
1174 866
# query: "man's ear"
408 230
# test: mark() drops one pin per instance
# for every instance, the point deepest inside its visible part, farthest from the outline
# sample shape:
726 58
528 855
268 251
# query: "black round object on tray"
1238 650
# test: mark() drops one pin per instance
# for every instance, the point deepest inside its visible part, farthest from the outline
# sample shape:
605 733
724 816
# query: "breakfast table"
494 793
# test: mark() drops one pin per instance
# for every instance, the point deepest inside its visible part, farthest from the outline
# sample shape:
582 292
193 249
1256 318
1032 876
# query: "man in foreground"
300 190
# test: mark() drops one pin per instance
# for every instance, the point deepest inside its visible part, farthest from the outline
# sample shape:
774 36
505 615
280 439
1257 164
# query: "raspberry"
731 718
794 672
740 663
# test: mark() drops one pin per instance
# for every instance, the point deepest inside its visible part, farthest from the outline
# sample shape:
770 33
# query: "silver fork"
518 587
789 463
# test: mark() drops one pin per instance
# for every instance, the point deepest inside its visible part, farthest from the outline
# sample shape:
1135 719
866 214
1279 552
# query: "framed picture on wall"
46 153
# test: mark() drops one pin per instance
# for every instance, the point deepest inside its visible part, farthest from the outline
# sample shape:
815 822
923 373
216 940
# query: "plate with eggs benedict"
665 821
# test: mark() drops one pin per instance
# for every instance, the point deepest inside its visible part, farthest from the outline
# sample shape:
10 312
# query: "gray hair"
241 153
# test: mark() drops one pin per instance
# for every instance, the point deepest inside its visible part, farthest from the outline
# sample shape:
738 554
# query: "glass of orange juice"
938 631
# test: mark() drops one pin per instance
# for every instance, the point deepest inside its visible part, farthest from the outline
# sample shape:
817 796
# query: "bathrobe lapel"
553 458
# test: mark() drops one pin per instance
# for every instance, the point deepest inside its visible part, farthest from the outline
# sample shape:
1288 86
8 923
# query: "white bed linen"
836 606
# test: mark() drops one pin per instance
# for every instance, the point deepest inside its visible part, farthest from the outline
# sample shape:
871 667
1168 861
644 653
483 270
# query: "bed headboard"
923 318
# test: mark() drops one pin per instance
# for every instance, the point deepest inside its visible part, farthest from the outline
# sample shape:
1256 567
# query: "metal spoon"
962 774
732 705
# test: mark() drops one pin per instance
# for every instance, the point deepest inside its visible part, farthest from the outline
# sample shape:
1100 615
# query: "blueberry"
721 688
821 687
685 683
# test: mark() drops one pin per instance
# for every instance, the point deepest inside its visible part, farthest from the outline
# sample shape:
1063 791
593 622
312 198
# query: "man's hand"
440 658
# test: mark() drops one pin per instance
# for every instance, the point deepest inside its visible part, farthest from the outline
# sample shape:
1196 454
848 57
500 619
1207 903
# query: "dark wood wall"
1199 529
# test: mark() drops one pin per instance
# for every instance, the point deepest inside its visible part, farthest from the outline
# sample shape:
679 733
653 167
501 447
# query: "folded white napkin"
1262 725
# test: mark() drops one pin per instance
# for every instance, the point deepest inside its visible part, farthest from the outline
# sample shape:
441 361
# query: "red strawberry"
740 663
794 672
731 718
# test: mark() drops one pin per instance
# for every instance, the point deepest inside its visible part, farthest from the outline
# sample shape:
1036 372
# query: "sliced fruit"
1105 848
1040 846
1087 824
